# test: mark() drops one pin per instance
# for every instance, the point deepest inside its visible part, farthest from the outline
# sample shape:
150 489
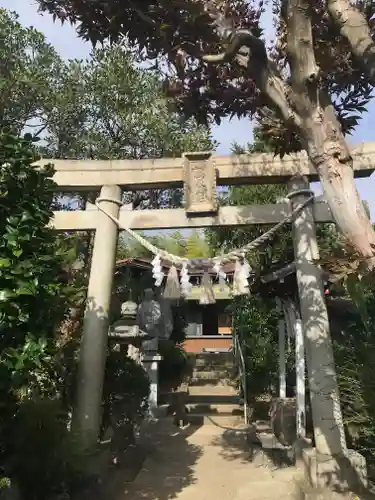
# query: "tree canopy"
308 90
99 108
183 31
192 246
30 68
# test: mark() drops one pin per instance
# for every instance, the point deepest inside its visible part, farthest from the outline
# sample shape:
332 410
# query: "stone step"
211 373
263 426
207 362
217 375
218 389
213 358
213 399
220 420
215 409
218 351
202 365
202 382
212 378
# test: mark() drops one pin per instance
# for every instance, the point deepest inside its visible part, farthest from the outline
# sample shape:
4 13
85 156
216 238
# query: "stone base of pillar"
339 474
283 420
299 446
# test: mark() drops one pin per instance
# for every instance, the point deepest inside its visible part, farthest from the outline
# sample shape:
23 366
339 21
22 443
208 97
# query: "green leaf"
5 295
356 293
26 291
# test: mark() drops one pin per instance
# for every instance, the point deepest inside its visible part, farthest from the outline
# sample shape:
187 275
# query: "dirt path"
204 463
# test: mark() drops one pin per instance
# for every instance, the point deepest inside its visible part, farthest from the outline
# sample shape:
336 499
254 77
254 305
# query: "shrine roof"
145 263
134 262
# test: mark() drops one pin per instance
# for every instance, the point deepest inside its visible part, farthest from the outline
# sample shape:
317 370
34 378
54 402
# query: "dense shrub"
255 323
354 349
44 460
125 392
174 366
32 294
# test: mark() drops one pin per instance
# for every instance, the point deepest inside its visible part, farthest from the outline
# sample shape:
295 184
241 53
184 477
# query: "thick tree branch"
301 57
250 52
353 26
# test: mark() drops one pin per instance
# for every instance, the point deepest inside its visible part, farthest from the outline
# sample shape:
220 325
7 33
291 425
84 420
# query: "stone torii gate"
200 173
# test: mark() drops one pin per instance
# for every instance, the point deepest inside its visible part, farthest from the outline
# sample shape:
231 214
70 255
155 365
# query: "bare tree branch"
354 27
300 48
250 52
143 16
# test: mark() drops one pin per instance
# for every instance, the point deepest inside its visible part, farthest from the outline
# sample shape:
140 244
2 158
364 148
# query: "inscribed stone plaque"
200 183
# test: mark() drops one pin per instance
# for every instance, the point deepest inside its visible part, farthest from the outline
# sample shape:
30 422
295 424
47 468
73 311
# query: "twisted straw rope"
222 259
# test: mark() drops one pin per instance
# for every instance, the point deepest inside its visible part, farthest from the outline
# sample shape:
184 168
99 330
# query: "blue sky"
70 46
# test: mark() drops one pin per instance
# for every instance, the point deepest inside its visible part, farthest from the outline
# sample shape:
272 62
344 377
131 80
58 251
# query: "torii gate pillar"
88 411
330 464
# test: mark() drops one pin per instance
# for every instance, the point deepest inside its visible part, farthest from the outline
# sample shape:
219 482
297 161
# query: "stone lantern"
134 327
126 332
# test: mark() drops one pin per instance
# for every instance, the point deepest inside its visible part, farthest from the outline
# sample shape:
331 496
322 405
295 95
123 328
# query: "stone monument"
150 320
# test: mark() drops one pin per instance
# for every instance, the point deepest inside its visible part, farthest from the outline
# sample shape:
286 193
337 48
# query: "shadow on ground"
167 470
240 444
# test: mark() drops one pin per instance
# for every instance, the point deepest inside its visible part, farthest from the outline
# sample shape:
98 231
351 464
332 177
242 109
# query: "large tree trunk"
309 110
331 157
322 135
348 211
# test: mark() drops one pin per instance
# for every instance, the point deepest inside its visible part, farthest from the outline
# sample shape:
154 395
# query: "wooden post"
325 402
300 374
150 362
88 411
282 364
295 330
281 326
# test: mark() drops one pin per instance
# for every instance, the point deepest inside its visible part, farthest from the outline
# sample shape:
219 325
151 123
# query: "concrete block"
339 474
159 411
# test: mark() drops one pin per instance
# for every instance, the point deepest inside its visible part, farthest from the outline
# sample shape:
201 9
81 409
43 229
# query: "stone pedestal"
150 362
283 420
283 412
340 474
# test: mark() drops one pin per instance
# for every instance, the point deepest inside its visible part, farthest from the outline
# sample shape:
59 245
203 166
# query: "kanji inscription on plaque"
200 183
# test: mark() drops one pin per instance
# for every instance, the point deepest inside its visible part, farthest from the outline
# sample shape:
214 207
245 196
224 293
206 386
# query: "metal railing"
241 366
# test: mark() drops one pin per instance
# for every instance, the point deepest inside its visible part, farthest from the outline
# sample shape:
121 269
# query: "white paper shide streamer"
240 278
172 289
220 274
186 286
242 267
157 272
207 291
